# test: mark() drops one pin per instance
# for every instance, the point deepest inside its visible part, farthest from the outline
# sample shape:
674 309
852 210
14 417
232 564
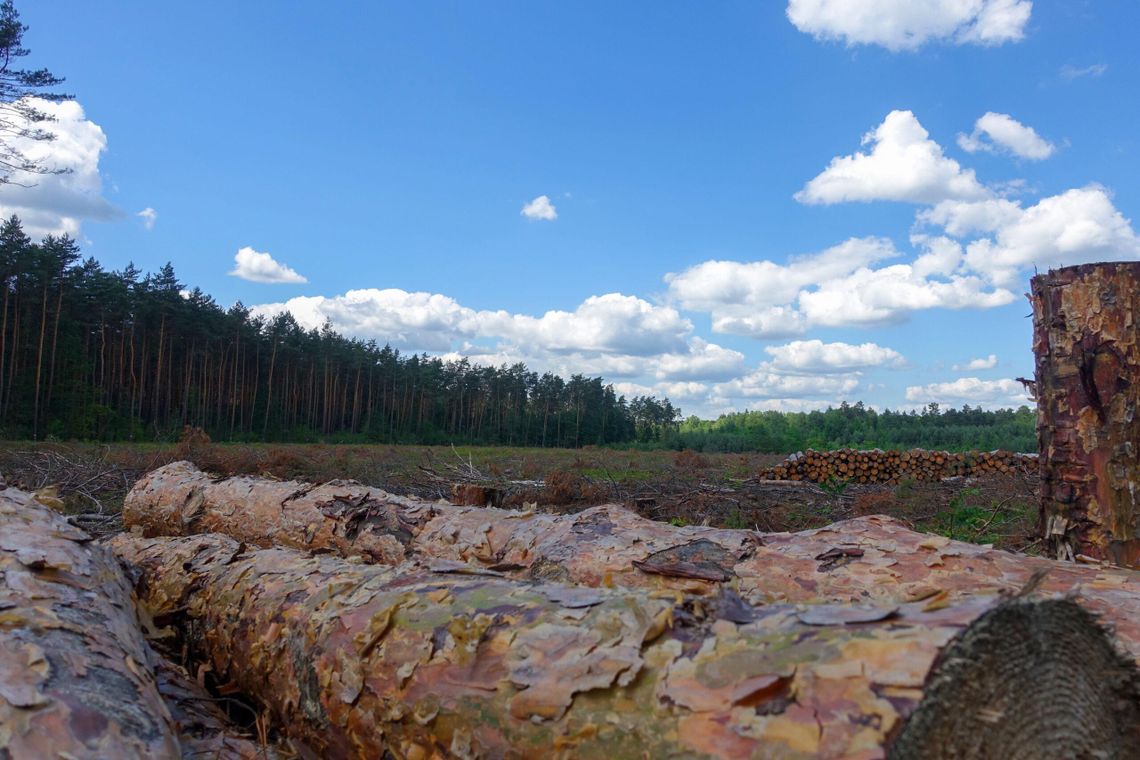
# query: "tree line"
92 354
857 426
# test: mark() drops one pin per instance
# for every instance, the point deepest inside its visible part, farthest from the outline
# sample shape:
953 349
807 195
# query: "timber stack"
878 466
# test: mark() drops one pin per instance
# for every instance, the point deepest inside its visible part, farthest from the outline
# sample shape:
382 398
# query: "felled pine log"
76 676
1087 343
356 660
869 558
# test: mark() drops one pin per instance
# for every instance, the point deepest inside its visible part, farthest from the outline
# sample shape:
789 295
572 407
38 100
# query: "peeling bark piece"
867 559
702 559
1086 338
489 667
76 676
844 614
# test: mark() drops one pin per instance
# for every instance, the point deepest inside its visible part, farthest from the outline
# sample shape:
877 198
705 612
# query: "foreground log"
869 558
1087 342
75 671
356 660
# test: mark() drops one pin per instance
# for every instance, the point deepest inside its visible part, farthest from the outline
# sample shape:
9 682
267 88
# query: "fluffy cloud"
999 132
977 364
889 295
904 165
908 24
702 361
149 216
540 208
611 324
815 356
790 405
963 218
765 382
757 298
835 288
256 266
59 203
1078 226
970 390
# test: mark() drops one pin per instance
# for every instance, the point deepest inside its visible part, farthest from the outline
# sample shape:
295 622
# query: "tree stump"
1087 343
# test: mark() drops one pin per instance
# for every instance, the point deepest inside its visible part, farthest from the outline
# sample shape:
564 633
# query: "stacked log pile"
878 466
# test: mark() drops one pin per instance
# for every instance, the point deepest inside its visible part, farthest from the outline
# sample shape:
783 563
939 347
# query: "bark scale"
360 660
1086 337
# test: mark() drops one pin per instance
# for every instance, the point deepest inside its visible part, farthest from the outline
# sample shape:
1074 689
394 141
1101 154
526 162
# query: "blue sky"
738 205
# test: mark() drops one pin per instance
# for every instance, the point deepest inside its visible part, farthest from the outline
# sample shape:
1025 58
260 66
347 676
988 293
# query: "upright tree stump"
1087 343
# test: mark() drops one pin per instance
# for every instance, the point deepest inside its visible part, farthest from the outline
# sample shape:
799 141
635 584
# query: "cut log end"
1028 680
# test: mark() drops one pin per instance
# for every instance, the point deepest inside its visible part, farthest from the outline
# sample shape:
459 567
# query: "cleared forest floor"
721 490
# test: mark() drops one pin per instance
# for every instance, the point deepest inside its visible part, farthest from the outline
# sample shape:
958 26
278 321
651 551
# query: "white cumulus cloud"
540 209
970 390
149 216
974 365
836 288
999 132
815 356
1078 226
256 266
58 204
904 164
765 382
909 24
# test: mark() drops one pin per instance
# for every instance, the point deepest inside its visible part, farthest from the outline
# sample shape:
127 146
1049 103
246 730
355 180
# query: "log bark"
76 676
865 559
357 660
1086 337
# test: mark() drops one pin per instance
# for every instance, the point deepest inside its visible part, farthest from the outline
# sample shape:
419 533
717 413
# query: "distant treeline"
856 426
91 354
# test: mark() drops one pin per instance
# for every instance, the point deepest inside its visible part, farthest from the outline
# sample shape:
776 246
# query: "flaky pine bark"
340 517
356 660
869 558
1086 337
76 675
